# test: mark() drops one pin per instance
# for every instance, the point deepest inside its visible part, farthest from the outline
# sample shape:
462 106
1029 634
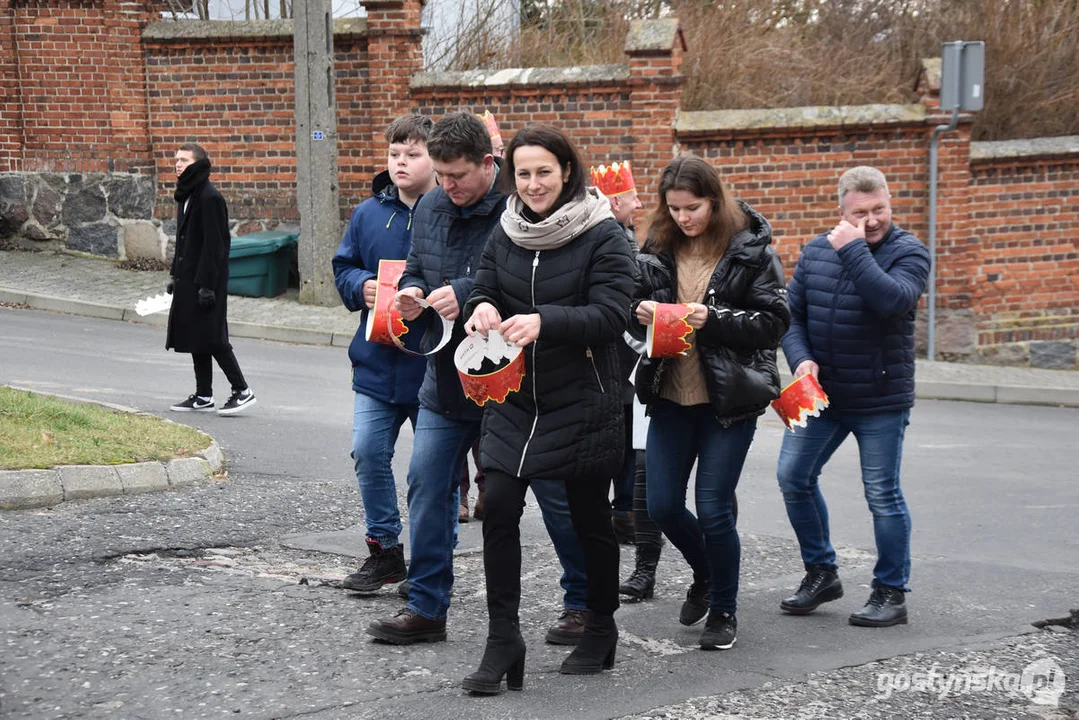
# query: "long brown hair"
700 178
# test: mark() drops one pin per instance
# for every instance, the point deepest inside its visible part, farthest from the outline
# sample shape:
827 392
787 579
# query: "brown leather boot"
568 629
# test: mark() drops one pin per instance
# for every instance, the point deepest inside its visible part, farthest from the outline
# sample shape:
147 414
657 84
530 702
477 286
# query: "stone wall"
107 214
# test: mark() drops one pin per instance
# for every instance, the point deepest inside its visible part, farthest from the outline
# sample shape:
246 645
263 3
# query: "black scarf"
192 177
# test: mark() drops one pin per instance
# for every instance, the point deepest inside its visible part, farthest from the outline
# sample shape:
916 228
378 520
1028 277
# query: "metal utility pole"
961 88
316 151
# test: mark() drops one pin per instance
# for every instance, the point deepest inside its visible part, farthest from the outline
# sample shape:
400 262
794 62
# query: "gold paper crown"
613 180
492 127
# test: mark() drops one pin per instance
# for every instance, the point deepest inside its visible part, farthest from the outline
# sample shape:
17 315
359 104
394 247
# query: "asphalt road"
212 600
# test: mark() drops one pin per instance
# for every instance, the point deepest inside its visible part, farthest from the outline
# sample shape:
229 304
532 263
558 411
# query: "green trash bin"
259 263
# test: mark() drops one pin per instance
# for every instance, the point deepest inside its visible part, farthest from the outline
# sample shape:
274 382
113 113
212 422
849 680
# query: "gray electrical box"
962 76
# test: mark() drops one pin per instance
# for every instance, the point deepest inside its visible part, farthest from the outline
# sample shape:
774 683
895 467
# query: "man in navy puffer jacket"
385 380
852 301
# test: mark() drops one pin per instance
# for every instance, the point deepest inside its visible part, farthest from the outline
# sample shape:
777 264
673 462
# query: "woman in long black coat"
556 278
199 285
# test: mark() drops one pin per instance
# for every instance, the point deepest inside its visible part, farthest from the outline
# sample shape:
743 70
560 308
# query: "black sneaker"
696 605
194 403
380 568
720 632
238 402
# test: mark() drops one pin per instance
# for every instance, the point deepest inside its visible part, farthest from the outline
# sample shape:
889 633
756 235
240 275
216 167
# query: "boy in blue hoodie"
385 380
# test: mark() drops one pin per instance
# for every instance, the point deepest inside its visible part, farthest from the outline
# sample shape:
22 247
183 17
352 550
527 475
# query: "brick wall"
75 98
1024 209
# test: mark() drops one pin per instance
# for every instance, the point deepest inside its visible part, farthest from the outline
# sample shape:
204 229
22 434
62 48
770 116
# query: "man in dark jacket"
852 300
385 380
449 231
199 285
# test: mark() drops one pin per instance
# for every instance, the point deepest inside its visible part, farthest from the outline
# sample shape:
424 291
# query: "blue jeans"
678 435
434 477
880 449
375 426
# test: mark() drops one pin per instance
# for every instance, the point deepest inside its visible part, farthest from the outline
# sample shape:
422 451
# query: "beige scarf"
563 225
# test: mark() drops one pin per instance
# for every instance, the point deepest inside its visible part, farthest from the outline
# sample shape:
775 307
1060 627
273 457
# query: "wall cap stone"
704 121
654 36
1033 147
577 74
186 30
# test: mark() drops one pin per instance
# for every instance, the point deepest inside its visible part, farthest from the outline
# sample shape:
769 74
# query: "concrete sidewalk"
98 288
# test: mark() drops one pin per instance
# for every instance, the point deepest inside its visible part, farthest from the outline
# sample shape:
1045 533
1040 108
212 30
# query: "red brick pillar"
655 49
10 94
394 55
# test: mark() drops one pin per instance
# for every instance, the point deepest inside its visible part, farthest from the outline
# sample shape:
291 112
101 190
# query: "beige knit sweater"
683 382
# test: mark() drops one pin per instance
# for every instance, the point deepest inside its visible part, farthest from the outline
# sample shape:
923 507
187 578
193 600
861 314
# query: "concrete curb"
26 489
924 389
1009 394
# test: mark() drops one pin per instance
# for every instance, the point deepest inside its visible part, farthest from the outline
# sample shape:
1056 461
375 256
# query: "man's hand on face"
845 233
444 302
407 305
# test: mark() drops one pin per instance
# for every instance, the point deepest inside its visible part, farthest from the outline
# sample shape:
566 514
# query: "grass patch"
39 431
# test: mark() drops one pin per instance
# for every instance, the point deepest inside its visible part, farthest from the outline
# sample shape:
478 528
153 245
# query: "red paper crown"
492 127
613 180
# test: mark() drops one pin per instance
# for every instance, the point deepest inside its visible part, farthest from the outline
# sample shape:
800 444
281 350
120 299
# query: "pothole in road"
255 562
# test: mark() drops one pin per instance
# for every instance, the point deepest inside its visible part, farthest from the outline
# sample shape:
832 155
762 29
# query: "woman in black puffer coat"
556 278
712 253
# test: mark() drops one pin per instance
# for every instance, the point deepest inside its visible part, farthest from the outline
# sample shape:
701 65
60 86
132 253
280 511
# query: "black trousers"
590 512
204 371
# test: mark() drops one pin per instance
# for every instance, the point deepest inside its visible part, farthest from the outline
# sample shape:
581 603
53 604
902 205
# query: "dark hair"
195 150
699 177
555 142
459 134
409 128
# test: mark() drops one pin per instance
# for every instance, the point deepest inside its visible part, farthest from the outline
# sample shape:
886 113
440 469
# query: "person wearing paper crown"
556 279
853 297
713 253
498 148
450 228
616 184
385 381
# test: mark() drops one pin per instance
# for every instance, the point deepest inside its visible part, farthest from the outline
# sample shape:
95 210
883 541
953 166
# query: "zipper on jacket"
592 359
535 399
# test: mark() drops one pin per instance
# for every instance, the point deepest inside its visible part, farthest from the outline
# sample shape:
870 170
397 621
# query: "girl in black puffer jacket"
712 253
556 278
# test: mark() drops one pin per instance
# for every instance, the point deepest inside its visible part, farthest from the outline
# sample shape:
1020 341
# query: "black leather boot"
642 583
886 606
504 656
648 539
820 585
595 652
